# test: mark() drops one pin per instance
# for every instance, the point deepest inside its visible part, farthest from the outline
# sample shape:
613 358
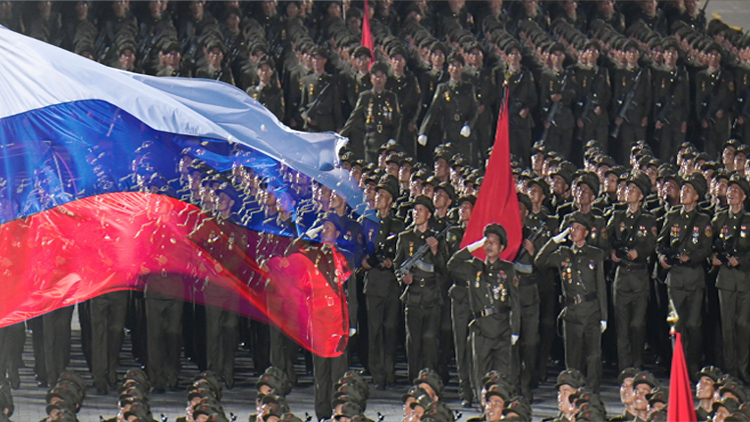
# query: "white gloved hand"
313 233
466 131
422 139
513 339
476 245
559 238
604 326
352 331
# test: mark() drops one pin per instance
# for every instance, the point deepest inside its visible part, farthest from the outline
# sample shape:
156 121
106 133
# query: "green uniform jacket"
424 290
453 106
731 238
377 115
630 231
492 288
689 233
582 277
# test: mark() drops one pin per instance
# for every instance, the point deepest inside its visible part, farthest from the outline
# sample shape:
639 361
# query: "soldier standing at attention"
422 296
377 114
631 117
581 268
493 298
714 95
320 105
684 244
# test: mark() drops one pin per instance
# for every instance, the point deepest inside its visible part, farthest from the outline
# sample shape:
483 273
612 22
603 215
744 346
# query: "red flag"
681 407
366 34
497 201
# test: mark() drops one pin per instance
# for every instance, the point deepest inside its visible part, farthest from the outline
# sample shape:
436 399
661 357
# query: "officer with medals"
632 234
732 257
422 297
581 268
684 244
493 297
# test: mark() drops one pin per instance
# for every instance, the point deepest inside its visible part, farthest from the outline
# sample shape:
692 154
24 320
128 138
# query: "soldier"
732 256
268 92
12 339
557 93
585 187
632 234
522 100
382 289
625 379
320 104
644 383
215 68
108 314
377 114
581 268
684 243
453 111
705 391
568 382
422 296
404 84
493 298
483 79
170 61
714 93
632 103
672 101
594 93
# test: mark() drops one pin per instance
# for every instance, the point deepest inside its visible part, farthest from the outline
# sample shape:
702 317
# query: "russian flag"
107 177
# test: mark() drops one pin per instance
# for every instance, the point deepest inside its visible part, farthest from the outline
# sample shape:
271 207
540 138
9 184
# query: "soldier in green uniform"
268 92
581 268
625 380
593 95
705 391
377 114
422 296
684 243
634 82
522 100
586 186
483 79
732 257
382 290
320 105
672 101
557 93
493 298
460 310
404 84
453 111
215 68
6 403
714 96
632 234
644 384
568 382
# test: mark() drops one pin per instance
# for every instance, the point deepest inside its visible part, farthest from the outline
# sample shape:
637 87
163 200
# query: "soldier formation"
628 126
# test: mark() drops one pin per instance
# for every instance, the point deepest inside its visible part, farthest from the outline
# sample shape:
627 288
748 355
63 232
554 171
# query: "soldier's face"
383 200
578 232
556 59
713 58
464 211
705 388
494 408
455 68
563 401
265 73
329 232
626 391
584 194
514 59
437 58
633 194
421 214
378 80
671 56
492 246
640 402
631 56
688 195
398 63
535 194
735 195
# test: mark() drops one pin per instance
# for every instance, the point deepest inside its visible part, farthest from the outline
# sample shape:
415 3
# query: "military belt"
578 299
634 266
492 310
423 282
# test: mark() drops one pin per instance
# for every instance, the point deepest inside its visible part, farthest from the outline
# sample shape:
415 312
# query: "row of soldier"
617 73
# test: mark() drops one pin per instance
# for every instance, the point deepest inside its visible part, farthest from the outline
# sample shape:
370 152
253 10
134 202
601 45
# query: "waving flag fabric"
107 176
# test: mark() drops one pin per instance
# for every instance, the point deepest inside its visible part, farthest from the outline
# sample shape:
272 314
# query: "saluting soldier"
732 256
453 111
684 244
268 92
557 93
632 102
586 187
714 95
522 100
581 268
377 114
493 298
672 101
320 105
422 296
632 233
382 290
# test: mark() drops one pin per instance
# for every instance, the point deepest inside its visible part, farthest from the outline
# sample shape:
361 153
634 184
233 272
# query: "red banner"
681 407
366 33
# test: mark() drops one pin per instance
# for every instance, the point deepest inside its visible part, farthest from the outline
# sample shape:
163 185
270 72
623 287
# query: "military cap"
591 180
141 411
630 44
354 392
210 380
139 376
498 231
390 145
497 390
709 371
290 417
438 45
660 395
735 387
581 218
277 380
737 417
319 51
456 57
362 51
712 47
431 378
590 415
743 149
275 403
517 405
171 45
645 377
641 181
626 373
555 47
740 181
447 188
698 182
207 408
390 185
339 398
566 175
541 183
70 378
348 410
200 392
379 67
467 198
439 411
525 200
729 403
495 377
65 394
414 392
353 379
398 51
426 202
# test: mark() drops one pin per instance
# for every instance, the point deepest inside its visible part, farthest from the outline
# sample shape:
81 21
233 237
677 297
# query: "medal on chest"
478 280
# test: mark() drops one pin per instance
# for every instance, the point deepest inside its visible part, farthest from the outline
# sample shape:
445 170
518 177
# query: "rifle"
554 110
101 49
415 259
314 106
527 268
665 103
627 103
745 109
709 103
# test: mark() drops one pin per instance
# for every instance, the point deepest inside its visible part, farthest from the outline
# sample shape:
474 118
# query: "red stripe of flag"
366 34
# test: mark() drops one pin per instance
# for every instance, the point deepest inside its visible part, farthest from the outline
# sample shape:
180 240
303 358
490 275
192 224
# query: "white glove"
513 339
476 245
466 131
352 331
604 325
422 139
313 233
559 238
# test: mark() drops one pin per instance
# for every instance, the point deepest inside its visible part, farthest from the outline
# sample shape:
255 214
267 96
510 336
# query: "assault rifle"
627 104
416 259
